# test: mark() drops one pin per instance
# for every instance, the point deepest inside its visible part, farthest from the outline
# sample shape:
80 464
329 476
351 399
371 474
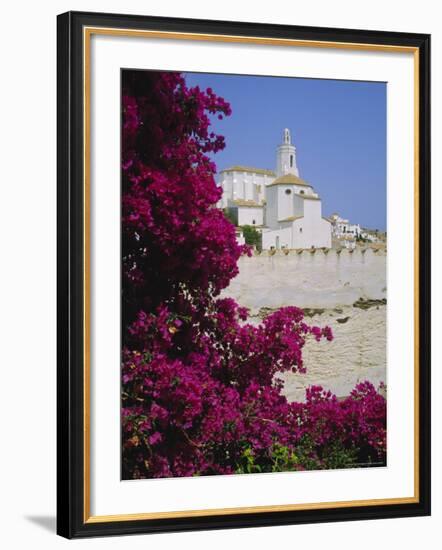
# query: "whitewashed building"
343 228
244 193
285 207
294 216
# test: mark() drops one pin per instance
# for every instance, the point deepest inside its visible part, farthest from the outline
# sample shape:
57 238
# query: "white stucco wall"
285 201
312 229
272 207
250 193
243 185
298 205
357 352
277 238
309 279
248 215
330 284
283 154
309 230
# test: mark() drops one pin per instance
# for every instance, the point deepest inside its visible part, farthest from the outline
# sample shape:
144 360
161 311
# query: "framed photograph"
243 274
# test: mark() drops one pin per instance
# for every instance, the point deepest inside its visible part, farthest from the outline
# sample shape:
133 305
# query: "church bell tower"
286 156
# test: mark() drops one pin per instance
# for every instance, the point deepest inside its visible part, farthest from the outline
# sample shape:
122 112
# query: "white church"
280 204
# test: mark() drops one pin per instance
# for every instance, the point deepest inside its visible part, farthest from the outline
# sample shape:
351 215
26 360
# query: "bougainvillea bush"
200 387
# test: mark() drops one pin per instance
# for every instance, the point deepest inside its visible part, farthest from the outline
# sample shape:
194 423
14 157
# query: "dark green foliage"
252 236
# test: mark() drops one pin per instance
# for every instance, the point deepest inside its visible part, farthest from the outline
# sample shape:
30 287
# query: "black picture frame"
71 519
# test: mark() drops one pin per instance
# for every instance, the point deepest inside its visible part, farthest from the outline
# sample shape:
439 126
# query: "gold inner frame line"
87 33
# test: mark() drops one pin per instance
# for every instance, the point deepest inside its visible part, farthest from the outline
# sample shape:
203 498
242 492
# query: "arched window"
253 222
291 161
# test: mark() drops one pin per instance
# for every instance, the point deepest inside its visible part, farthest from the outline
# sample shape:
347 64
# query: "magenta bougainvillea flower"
200 387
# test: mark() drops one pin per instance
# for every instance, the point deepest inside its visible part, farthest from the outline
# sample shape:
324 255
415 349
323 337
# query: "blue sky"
338 128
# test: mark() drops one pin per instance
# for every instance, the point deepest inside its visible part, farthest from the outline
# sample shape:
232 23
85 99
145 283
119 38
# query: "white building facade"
342 227
283 206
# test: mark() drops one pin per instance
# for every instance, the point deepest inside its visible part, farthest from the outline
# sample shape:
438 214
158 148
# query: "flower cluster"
172 237
200 387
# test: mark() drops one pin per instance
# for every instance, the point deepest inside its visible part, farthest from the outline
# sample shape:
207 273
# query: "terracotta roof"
291 219
289 179
249 169
310 198
241 202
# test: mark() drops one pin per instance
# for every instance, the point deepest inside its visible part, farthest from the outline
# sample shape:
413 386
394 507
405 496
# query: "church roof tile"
289 179
291 219
250 169
310 198
242 202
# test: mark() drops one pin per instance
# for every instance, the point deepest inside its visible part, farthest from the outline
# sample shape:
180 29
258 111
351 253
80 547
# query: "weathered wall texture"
346 291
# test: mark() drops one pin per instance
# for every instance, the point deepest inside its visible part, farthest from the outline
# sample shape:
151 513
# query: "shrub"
252 236
200 393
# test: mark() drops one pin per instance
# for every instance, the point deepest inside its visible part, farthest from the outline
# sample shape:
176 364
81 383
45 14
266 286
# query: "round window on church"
288 191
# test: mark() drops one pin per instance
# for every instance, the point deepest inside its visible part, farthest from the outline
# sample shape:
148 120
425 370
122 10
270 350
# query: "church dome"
290 179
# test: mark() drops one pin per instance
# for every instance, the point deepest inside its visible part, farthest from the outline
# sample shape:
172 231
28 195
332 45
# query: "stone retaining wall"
345 290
